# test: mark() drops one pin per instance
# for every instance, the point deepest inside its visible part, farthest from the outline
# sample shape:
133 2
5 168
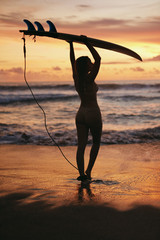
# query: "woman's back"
88 94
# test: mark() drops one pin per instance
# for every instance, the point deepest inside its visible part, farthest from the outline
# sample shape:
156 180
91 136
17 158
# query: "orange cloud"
17 70
84 6
57 68
156 71
16 74
15 18
110 63
11 74
137 69
154 59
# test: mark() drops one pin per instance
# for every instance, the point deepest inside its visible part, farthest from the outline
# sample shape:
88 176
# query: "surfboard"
75 38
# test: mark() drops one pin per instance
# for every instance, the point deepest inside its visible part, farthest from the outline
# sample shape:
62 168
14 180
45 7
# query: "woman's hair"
82 70
82 65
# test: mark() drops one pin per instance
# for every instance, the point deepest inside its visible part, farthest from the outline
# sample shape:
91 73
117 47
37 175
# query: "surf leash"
44 114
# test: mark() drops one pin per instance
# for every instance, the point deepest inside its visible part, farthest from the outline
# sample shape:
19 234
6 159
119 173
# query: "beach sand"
40 197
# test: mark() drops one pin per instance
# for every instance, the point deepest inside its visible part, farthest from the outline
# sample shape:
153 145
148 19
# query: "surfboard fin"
39 26
52 27
29 25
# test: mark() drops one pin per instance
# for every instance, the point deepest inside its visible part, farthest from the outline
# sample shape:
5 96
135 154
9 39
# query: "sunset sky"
132 23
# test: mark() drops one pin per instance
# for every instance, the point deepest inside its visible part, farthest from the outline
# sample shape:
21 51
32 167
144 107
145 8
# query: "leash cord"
44 114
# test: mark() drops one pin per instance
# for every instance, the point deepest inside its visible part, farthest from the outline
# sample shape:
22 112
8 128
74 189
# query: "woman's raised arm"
96 57
72 59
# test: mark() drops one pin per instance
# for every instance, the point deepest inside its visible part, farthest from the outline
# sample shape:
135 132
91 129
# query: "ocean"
130 111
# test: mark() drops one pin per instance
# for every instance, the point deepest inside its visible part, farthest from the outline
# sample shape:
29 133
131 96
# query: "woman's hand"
84 38
69 41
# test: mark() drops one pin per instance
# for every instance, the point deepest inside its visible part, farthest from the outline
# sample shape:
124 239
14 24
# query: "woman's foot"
88 174
82 178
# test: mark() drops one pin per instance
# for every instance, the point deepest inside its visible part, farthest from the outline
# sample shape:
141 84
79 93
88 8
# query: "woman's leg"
96 132
82 133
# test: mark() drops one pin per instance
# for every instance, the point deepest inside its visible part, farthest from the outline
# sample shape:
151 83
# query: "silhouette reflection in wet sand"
84 187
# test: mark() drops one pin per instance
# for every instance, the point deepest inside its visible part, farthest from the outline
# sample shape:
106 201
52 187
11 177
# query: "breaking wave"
19 134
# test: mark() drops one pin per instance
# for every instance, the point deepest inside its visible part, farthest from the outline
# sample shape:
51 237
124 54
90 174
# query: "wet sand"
40 197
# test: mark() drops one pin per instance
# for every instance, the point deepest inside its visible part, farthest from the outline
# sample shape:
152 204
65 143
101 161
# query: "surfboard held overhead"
75 38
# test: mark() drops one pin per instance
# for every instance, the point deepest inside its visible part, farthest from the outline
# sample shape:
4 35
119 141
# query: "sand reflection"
85 187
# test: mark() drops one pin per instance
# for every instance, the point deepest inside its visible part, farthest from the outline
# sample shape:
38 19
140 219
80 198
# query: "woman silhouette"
88 117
